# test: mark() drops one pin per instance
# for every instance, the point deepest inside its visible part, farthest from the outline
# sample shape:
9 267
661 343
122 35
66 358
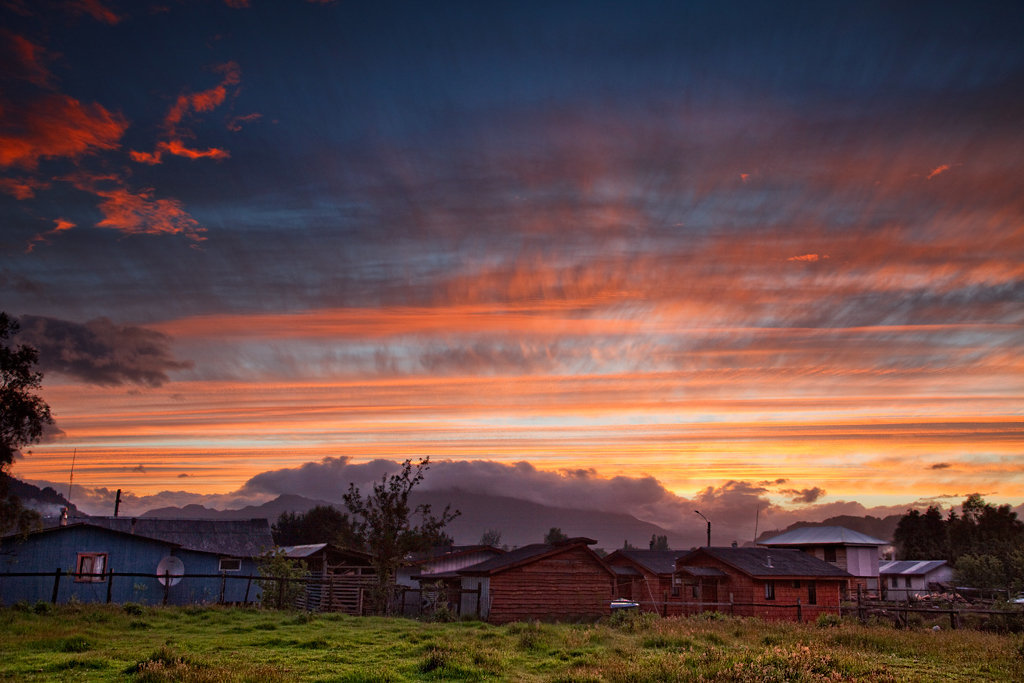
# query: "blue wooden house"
118 559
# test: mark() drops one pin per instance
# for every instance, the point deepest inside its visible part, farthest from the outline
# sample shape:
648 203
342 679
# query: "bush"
42 607
274 566
828 620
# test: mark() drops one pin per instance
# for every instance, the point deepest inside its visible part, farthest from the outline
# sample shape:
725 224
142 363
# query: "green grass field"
77 642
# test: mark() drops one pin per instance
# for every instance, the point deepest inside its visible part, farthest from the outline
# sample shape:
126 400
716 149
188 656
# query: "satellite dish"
170 569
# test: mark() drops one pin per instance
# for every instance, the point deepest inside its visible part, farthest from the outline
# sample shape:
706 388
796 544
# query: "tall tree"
555 535
384 521
321 524
23 416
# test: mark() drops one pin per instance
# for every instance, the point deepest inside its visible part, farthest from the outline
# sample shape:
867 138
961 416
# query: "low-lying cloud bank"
737 509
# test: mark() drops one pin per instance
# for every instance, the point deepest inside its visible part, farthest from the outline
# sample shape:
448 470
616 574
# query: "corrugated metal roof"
823 535
526 554
297 551
703 571
910 567
771 562
233 538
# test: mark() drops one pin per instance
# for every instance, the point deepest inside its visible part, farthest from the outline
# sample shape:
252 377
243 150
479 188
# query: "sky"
733 255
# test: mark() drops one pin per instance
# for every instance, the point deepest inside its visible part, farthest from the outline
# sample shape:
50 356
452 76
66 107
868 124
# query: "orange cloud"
26 60
178 148
140 214
235 124
22 188
95 9
60 226
185 104
58 126
809 258
937 170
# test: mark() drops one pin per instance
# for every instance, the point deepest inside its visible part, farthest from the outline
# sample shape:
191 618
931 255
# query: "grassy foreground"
78 642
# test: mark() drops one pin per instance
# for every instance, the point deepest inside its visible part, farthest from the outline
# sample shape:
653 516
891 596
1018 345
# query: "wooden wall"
572 585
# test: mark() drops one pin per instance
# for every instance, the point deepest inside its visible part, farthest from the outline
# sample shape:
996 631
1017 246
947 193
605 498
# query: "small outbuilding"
904 579
760 582
337 577
566 581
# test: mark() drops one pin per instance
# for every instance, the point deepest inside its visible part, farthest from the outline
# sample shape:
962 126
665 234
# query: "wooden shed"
338 577
646 577
760 582
562 582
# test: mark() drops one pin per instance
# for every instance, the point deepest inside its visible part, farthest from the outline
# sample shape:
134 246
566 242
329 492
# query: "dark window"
796 583
769 590
230 564
812 593
90 567
895 582
830 554
695 590
906 582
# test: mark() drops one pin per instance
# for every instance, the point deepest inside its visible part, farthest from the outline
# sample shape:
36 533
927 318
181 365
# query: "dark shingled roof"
654 561
760 562
525 555
234 538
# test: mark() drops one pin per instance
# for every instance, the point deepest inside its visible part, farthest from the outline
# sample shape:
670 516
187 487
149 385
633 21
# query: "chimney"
117 502
63 516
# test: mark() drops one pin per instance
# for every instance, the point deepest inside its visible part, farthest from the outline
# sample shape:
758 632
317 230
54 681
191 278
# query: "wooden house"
760 582
561 582
118 560
905 579
646 577
430 580
847 549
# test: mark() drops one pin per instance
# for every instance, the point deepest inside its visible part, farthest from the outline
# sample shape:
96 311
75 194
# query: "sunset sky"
765 248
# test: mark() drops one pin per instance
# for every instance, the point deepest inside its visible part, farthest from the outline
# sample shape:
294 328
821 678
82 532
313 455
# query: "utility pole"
709 526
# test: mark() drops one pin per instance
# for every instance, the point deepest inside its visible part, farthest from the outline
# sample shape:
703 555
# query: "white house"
903 579
847 549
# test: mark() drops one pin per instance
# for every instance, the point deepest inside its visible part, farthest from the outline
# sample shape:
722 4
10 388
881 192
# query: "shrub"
132 608
829 620
42 607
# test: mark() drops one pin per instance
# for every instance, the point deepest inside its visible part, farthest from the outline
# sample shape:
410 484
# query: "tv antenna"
71 479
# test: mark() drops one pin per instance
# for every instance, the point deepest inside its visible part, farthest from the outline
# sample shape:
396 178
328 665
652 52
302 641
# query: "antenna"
71 479
757 518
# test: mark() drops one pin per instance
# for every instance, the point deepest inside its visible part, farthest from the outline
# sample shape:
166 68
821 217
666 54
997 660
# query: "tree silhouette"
383 521
555 536
23 416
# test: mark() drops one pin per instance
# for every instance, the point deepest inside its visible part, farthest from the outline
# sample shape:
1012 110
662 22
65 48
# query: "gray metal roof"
910 567
703 571
760 562
525 555
233 538
822 535
299 551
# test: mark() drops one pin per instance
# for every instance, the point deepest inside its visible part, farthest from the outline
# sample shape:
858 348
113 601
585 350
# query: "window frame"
769 590
830 554
222 568
812 593
91 576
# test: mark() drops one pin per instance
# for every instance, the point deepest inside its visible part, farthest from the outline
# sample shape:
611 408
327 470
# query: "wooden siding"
572 585
749 594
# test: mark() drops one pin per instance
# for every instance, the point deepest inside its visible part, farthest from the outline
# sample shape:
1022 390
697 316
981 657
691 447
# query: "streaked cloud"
100 352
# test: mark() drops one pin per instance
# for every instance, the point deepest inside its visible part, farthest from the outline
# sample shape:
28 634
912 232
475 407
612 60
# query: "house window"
812 593
906 581
90 567
769 590
229 564
796 583
830 554
895 582
695 590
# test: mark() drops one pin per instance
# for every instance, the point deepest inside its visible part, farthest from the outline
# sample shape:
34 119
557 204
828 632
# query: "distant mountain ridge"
520 522
881 528
46 501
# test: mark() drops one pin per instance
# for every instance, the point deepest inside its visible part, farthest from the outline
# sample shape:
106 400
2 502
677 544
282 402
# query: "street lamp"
709 526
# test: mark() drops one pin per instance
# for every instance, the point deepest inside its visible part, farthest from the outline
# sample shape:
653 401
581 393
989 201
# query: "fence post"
248 585
280 593
952 619
167 584
799 612
479 594
223 580
860 608
110 584
732 606
56 585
